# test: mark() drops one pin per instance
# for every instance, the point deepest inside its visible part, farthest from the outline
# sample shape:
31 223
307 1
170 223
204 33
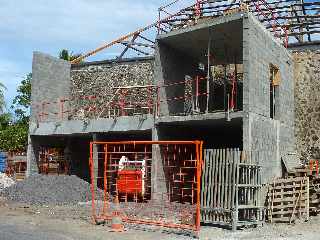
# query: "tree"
14 128
68 56
2 101
21 103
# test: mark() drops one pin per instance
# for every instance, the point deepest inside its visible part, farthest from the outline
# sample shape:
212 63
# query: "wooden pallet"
288 200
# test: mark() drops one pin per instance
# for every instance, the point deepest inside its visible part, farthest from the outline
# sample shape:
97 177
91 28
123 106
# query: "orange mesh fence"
156 182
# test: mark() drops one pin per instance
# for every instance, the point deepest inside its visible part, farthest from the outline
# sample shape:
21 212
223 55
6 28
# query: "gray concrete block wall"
260 50
50 81
273 137
171 66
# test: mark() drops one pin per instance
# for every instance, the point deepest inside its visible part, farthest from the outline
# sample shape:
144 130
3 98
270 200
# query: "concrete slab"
121 124
191 119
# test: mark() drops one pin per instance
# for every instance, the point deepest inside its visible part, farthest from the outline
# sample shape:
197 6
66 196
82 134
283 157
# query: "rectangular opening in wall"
201 70
275 79
217 133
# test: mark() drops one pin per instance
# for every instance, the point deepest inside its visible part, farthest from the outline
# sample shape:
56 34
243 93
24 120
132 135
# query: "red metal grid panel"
125 172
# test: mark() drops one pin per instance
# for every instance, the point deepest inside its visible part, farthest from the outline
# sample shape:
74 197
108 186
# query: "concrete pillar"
95 159
159 190
32 156
67 155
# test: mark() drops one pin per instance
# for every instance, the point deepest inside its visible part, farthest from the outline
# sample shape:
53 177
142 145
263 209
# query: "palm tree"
2 101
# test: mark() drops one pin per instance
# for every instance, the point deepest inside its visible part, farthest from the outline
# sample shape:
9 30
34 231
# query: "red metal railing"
264 10
125 174
144 99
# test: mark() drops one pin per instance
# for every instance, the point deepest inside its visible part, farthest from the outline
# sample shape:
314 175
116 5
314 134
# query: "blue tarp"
3 161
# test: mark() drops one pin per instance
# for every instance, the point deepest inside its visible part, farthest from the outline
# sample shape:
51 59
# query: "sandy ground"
18 221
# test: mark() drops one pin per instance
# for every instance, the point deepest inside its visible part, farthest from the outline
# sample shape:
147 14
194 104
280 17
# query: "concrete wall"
171 66
307 103
50 81
274 137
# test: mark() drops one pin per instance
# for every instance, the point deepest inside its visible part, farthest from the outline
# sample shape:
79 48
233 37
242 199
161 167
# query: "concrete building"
226 81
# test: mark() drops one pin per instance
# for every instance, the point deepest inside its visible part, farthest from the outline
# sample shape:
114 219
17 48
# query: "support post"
236 200
159 189
208 70
95 159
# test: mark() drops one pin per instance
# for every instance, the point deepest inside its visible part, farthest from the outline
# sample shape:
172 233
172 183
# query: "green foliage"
21 103
5 120
14 137
2 102
14 129
68 56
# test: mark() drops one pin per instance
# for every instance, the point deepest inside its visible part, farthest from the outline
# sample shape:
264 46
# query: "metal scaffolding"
296 22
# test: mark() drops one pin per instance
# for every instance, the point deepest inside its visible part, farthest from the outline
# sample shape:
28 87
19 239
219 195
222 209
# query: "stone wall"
307 104
95 84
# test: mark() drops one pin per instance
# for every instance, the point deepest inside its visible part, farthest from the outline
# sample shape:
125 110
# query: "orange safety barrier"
123 171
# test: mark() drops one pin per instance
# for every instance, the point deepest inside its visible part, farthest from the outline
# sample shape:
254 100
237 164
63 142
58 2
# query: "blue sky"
77 25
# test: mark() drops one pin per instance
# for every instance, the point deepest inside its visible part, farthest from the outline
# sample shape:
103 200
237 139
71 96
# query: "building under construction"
218 72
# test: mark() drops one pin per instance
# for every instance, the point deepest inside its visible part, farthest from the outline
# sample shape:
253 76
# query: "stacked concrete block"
274 137
50 81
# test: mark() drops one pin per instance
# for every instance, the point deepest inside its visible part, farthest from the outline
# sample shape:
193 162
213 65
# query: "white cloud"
78 25
73 20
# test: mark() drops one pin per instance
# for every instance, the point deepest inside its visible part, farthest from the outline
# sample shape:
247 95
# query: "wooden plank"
230 189
219 178
287 188
295 179
222 180
215 197
280 194
210 186
288 199
235 192
281 213
203 179
208 183
287 206
226 182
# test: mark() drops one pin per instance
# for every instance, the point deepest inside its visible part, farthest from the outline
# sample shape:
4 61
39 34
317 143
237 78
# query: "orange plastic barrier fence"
156 182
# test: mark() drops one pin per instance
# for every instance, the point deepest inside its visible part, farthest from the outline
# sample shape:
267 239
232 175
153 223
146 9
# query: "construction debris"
43 189
5 181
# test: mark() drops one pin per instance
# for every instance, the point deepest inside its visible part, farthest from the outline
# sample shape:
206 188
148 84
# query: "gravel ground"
73 222
43 189
5 181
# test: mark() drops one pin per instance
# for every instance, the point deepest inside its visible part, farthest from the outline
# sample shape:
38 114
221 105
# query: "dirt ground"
19 221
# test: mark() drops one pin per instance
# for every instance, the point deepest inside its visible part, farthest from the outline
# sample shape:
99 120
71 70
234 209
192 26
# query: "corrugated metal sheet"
3 161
